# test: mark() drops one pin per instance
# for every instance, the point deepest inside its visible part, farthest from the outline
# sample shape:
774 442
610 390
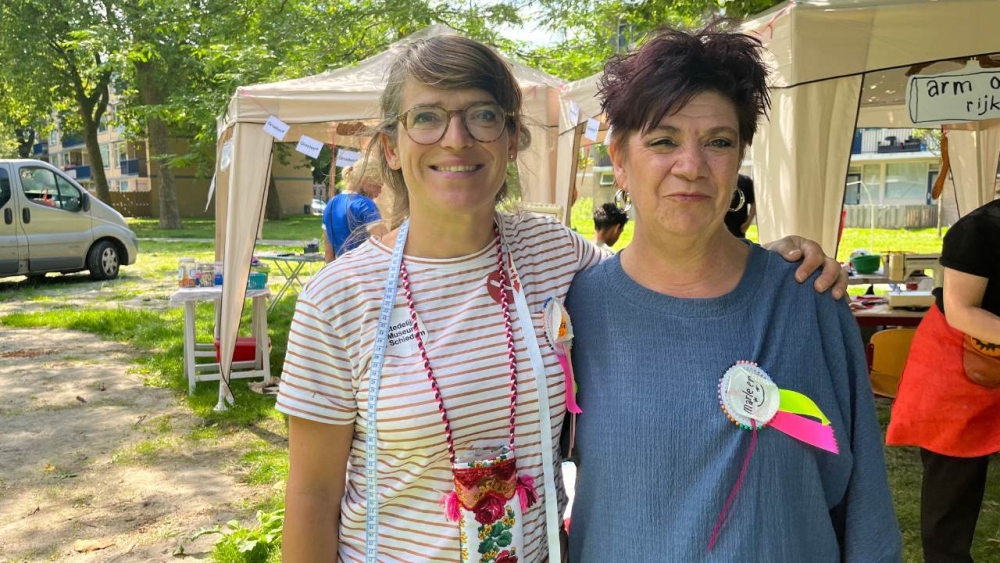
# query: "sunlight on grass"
265 463
292 228
145 452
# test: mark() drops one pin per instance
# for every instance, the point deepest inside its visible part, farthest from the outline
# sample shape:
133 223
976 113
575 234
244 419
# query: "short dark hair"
640 88
608 215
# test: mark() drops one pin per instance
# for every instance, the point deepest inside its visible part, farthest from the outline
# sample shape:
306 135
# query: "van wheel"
102 261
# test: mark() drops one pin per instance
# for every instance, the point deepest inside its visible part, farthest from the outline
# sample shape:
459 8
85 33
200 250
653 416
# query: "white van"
48 223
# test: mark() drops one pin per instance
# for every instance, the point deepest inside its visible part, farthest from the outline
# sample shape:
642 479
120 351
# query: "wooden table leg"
189 345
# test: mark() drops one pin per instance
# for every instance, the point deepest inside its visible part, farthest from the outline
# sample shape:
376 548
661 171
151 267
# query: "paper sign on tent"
346 157
574 113
593 128
309 146
276 128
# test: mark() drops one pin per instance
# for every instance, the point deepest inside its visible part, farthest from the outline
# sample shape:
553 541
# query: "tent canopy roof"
812 40
356 89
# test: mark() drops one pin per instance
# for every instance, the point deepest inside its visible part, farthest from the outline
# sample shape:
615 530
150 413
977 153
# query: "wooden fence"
892 216
132 204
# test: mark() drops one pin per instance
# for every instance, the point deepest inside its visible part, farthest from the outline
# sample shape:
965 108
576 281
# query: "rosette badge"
559 334
751 399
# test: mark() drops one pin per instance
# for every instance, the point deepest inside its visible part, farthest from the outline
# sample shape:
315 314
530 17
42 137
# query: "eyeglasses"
426 125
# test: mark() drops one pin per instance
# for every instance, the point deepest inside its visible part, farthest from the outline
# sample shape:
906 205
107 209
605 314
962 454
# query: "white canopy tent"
838 65
313 106
842 64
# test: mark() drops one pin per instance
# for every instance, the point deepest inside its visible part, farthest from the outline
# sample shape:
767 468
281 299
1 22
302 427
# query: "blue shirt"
658 457
345 218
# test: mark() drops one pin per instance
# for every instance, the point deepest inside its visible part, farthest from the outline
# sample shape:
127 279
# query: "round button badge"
747 393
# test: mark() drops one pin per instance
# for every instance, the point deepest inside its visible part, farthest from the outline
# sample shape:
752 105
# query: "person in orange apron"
954 421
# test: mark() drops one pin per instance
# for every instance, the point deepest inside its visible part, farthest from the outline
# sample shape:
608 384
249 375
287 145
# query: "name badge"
402 337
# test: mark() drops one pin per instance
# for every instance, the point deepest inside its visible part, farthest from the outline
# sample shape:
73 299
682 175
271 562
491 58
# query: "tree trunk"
91 107
94 150
159 146
272 210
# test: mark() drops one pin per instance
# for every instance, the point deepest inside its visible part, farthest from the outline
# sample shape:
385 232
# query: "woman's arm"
794 248
317 455
963 301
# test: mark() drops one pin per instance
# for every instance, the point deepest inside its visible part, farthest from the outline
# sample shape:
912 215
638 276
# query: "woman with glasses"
414 363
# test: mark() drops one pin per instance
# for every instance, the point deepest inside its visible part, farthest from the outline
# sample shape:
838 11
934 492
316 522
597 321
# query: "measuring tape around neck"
374 382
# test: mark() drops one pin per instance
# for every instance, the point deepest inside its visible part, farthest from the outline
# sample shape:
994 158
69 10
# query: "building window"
871 175
54 137
607 179
906 181
122 151
105 156
123 185
852 195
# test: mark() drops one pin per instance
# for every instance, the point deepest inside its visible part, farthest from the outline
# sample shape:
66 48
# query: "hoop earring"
622 200
743 200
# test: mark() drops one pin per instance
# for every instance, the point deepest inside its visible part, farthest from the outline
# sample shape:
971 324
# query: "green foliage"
592 31
260 543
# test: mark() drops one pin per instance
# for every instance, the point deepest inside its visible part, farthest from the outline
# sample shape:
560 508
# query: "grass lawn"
293 227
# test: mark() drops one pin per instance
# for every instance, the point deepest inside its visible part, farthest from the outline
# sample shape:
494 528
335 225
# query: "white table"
260 366
290 266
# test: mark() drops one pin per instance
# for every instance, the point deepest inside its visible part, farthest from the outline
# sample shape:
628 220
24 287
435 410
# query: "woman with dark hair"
424 403
948 405
730 418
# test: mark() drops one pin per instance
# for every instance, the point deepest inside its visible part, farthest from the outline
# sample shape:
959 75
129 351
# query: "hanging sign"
574 113
593 128
970 94
347 157
309 146
276 128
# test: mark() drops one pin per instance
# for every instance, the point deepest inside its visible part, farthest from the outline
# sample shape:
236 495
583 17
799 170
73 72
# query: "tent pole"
979 169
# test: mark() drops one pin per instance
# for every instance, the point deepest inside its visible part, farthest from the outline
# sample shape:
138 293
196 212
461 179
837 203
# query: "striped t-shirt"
325 379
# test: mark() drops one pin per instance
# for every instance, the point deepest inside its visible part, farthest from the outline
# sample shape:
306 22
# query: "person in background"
609 222
954 421
349 214
742 210
730 417
460 422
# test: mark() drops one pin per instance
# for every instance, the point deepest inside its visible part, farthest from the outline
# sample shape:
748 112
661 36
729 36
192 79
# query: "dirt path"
95 466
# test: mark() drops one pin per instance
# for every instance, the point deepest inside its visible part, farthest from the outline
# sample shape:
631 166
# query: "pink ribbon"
806 430
567 366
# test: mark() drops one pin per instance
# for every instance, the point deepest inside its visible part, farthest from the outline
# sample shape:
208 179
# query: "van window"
4 187
69 196
43 187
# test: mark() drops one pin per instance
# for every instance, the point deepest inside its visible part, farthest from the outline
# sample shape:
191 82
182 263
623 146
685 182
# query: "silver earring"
622 200
743 200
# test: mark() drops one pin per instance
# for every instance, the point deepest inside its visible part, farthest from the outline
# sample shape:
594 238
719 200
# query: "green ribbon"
797 403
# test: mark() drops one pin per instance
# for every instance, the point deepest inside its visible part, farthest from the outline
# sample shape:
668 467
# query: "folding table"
260 366
290 266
